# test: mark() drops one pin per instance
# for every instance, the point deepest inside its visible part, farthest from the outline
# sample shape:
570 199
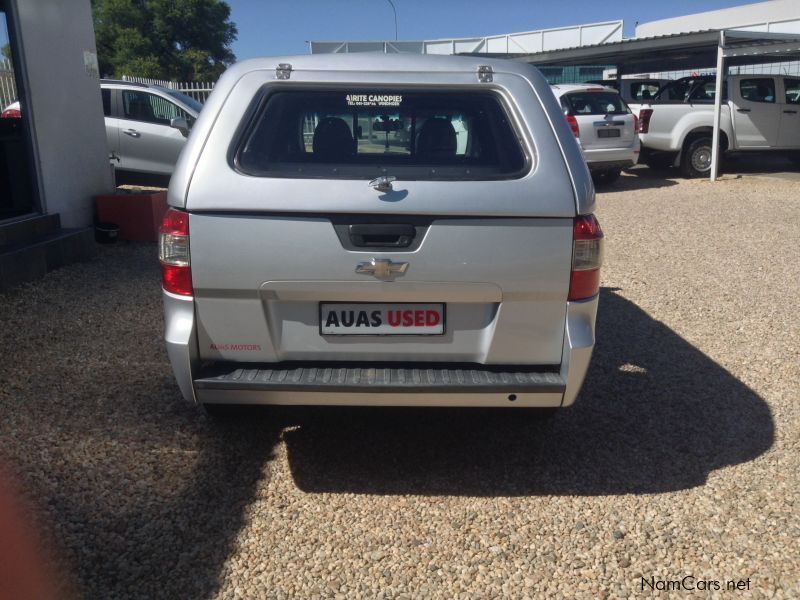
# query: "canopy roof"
676 52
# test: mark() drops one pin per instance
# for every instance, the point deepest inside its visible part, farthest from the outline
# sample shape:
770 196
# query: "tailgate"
481 180
606 131
260 280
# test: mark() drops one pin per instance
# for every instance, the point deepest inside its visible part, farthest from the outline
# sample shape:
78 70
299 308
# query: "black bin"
106 233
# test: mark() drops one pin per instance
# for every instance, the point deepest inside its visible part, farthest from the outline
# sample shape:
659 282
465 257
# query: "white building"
775 16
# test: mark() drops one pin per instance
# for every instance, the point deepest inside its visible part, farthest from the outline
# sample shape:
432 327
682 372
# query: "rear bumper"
606 158
379 385
610 165
180 336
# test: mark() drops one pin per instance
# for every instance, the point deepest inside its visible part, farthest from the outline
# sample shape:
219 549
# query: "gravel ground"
679 459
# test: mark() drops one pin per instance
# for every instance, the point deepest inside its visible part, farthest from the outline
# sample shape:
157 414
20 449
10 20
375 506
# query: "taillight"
587 256
173 252
635 123
644 120
11 113
573 124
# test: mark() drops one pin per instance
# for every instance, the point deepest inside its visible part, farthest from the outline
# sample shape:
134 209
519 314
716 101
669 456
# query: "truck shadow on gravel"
139 537
640 178
655 415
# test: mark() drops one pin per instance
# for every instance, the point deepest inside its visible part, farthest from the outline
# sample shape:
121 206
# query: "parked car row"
675 124
617 122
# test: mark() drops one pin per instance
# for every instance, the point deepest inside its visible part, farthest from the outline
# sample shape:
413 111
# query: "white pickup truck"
759 112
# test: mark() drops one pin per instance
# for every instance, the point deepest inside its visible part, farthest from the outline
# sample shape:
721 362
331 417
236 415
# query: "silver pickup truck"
381 230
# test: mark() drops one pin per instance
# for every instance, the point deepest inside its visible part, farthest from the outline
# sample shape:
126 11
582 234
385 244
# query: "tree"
187 40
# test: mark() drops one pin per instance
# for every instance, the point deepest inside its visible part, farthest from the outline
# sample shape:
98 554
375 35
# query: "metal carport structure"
720 48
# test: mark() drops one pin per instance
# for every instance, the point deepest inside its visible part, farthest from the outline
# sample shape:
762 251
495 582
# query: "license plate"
607 133
338 318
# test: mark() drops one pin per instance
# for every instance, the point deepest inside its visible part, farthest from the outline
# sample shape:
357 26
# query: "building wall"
570 74
778 16
523 42
62 97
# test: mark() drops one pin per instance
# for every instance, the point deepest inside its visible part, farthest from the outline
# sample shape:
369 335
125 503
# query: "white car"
604 126
146 126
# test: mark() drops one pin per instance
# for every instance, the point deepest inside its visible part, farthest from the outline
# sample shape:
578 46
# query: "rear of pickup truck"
664 127
676 127
379 230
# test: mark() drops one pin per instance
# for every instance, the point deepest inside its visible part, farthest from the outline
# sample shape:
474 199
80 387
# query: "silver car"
603 125
381 230
146 125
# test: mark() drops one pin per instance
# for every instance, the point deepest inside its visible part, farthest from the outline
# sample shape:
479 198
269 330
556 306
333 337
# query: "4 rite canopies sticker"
374 99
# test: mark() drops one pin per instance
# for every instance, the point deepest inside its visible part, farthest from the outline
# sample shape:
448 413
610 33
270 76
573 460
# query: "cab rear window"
594 103
367 133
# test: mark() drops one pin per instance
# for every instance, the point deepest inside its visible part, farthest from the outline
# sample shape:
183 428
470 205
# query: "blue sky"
275 27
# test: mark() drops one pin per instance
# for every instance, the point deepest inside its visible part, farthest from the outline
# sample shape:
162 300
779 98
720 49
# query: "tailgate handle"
382 234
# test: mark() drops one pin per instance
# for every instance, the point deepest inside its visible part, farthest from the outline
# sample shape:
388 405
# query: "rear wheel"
696 158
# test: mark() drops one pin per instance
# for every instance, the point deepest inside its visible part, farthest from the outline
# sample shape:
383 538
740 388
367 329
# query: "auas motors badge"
382 268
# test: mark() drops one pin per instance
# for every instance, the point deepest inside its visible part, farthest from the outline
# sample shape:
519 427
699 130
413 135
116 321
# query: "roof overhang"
681 51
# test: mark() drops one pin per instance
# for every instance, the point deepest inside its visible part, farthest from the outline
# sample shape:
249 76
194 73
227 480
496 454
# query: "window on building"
590 72
553 74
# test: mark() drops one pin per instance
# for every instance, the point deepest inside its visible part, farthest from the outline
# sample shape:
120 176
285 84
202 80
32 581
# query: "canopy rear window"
351 134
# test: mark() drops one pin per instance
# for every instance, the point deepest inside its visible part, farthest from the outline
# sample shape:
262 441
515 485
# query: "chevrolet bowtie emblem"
382 268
